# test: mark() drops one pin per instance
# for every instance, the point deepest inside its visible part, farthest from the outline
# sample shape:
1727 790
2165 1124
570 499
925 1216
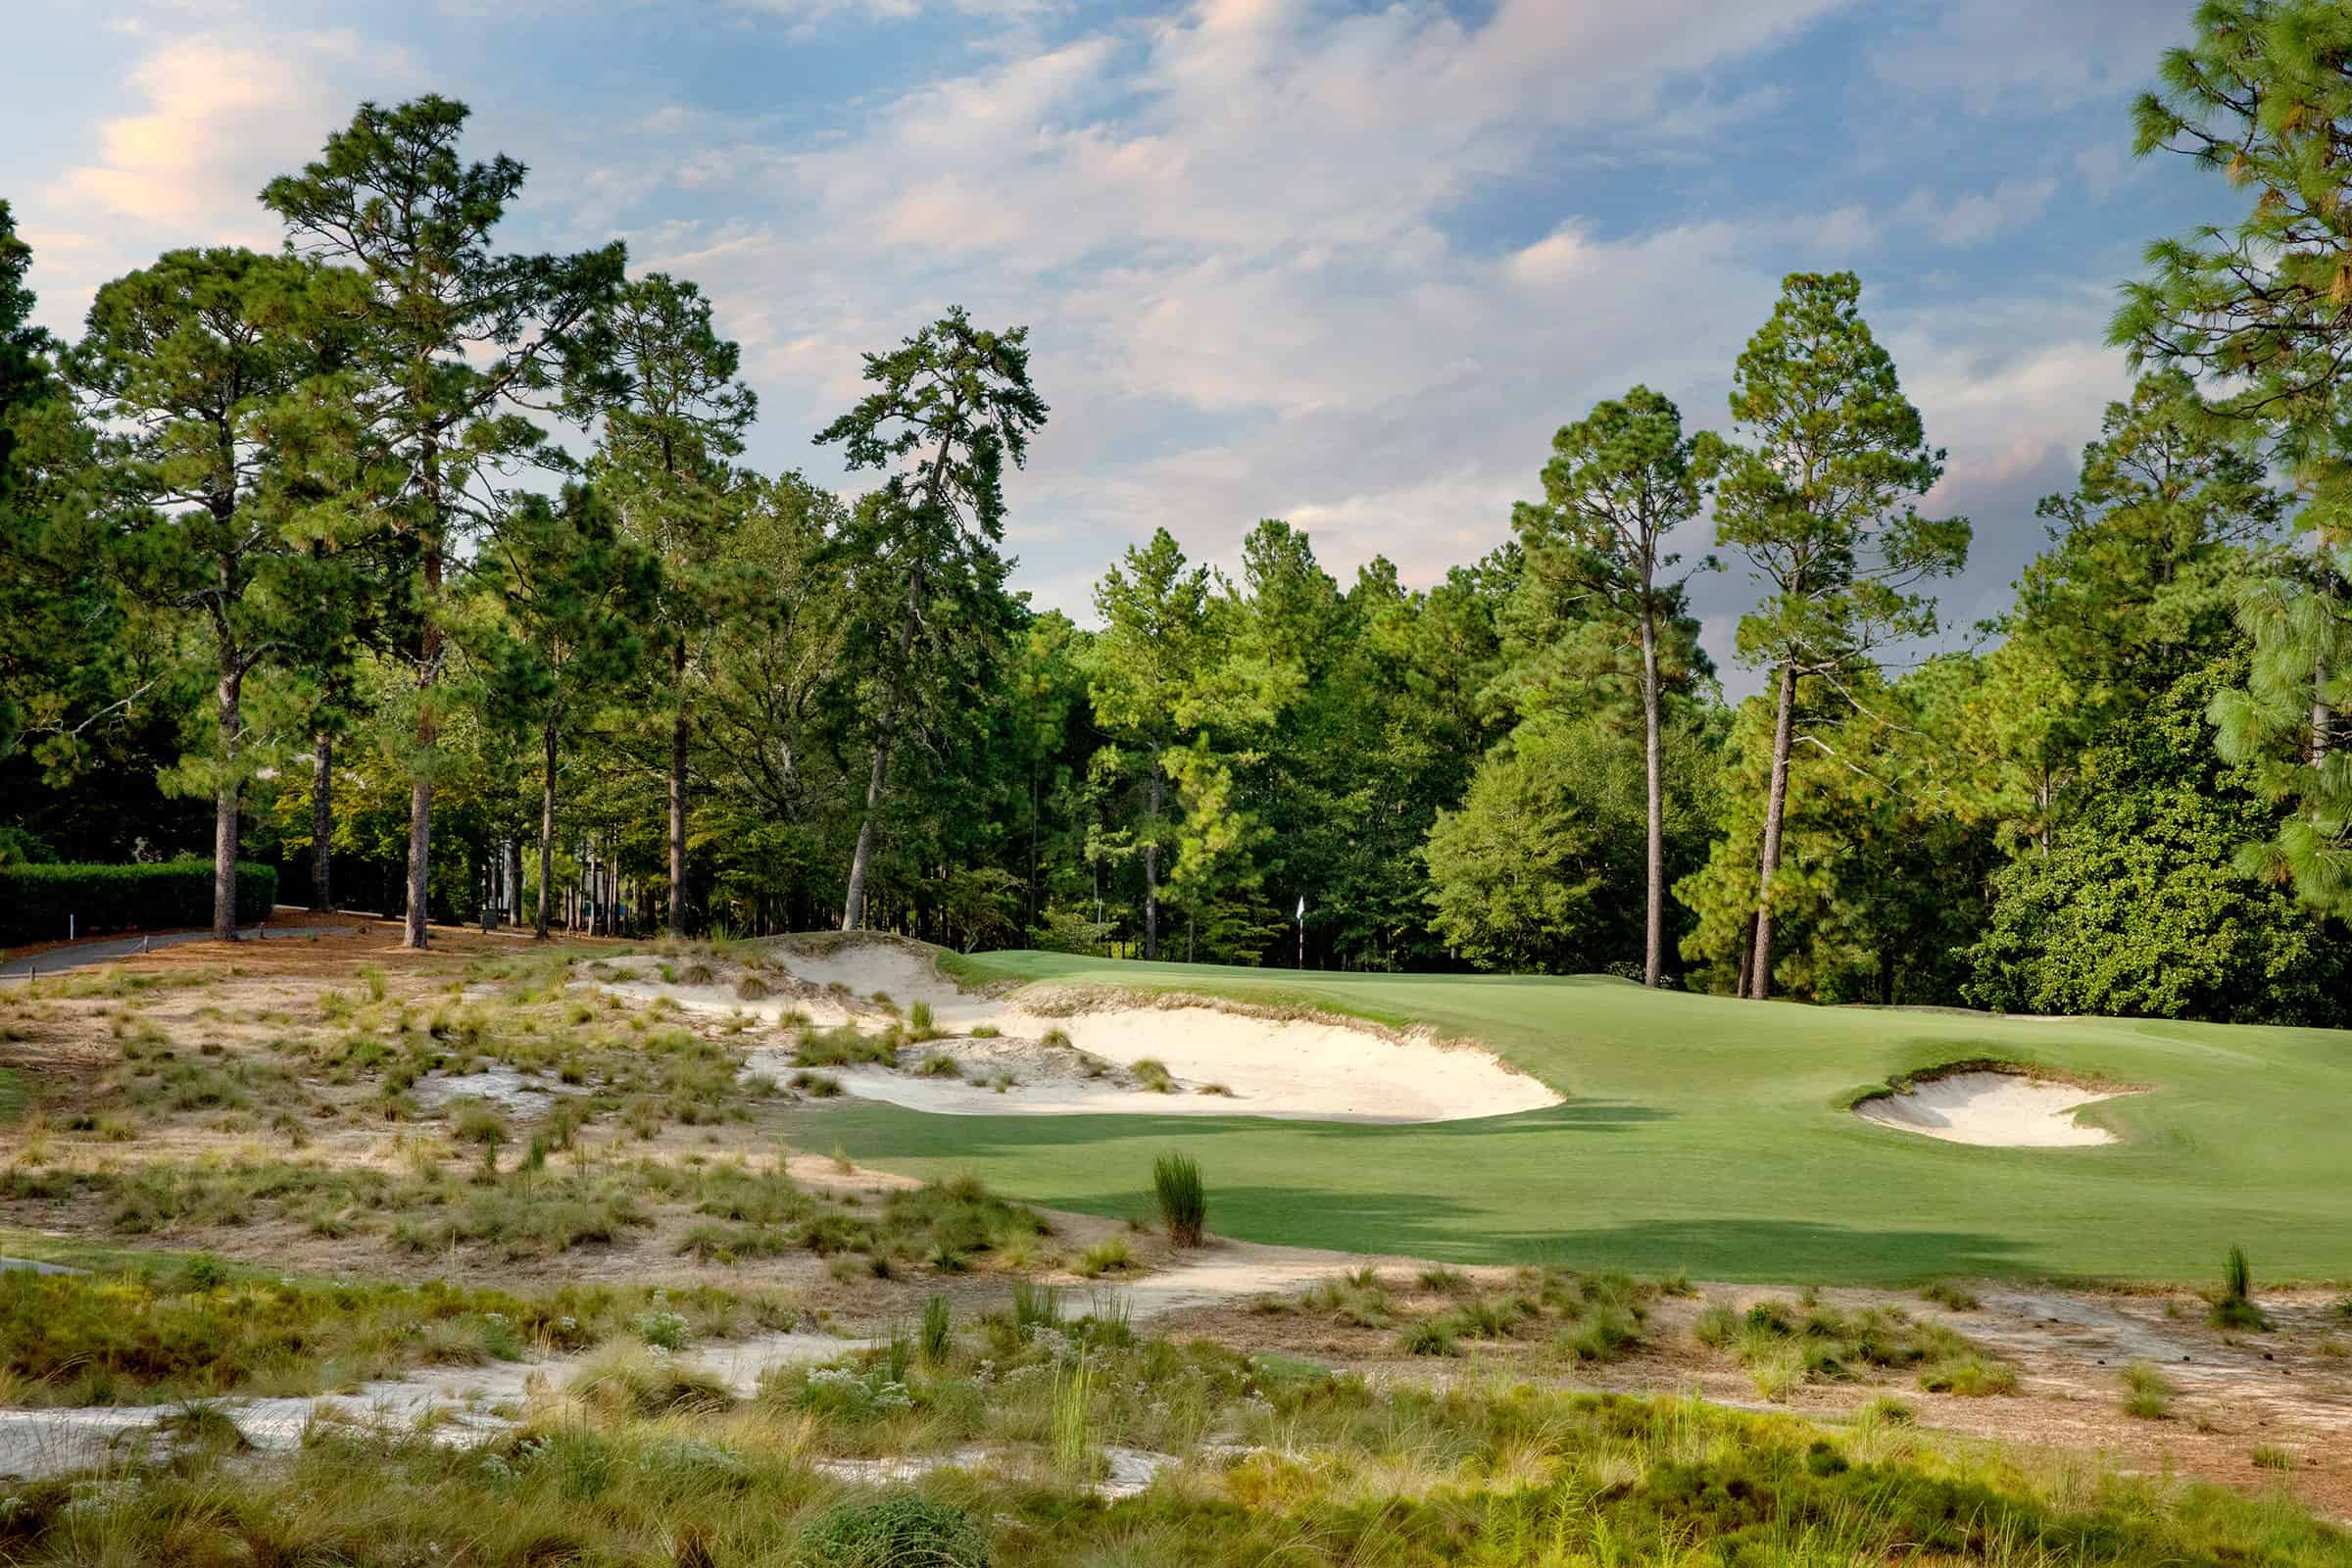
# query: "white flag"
1302 906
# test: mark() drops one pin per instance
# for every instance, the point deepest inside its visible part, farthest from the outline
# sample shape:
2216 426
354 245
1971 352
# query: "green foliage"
902 1532
2141 907
2253 310
1183 1198
1528 874
36 899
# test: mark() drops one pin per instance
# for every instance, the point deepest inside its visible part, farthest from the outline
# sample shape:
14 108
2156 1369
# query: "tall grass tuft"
1035 1307
1183 1197
2236 1309
1073 1404
937 1330
2149 1392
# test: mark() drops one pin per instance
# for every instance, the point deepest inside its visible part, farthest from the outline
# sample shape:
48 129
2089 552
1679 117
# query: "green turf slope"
1710 1134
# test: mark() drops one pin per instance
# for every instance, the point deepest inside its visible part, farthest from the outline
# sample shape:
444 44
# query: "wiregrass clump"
1183 1197
905 1531
1786 1343
2235 1308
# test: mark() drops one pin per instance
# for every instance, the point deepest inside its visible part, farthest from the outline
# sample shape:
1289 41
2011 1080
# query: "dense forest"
430 572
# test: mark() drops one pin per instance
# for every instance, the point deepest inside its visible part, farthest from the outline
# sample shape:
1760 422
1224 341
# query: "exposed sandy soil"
2290 1388
1062 1051
1999 1109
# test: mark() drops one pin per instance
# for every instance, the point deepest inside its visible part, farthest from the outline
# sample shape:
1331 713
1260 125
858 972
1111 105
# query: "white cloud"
2030 56
219 119
1979 216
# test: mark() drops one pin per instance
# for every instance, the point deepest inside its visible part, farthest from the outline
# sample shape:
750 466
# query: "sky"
1341 262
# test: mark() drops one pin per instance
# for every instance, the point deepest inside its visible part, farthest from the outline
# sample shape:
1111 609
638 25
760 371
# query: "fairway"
1711 1134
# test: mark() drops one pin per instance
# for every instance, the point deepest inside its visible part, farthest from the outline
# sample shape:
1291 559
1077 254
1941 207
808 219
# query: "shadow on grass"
893 1132
1416 1225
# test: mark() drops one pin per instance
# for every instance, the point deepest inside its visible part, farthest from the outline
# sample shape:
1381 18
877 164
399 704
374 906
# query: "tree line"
300 557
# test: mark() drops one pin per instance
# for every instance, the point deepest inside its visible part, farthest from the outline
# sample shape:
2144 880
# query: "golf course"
1714 1135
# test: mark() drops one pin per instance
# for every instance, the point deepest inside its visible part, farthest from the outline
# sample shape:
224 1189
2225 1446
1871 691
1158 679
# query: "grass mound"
907 1531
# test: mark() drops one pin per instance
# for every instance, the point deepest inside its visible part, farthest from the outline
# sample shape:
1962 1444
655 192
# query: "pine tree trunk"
2322 714
853 913
1653 935
323 819
1151 871
225 809
1760 975
547 829
677 796
418 933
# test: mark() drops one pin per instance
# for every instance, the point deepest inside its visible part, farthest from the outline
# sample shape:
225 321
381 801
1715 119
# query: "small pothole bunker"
1993 1108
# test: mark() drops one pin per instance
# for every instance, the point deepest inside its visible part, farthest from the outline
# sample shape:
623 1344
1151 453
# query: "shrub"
1153 1074
907 1531
2150 1392
1430 1336
1604 1337
751 988
1183 1199
2236 1309
1111 1256
1035 1307
2270 1456
36 900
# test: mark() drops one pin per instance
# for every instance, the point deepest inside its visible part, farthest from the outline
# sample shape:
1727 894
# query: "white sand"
1225 1060
1999 1109
457 1406
501 1086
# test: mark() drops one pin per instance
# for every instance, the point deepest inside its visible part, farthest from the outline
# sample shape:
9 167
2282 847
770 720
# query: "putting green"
1710 1134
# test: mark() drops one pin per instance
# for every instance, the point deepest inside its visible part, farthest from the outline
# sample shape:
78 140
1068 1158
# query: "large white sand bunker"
1217 1061
1061 1051
1999 1109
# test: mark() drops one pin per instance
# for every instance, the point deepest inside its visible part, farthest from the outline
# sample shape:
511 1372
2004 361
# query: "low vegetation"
998 1432
1784 1345
1182 1197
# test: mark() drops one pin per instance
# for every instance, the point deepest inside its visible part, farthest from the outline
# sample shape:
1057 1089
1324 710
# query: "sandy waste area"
1056 1051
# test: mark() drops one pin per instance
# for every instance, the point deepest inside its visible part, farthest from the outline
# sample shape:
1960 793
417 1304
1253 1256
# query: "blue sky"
1349 264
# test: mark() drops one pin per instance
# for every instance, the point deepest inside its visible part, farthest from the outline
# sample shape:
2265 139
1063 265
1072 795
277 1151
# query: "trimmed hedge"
36 899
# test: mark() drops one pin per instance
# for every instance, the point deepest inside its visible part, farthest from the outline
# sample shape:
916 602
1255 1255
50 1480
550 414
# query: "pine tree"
1619 482
455 342
954 400
563 592
191 361
2257 311
674 416
1821 502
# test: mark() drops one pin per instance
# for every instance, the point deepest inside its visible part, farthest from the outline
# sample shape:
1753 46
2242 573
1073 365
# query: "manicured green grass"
1706 1132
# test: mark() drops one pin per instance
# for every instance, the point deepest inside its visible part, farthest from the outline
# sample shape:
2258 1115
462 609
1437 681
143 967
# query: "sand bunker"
1051 1051
1999 1109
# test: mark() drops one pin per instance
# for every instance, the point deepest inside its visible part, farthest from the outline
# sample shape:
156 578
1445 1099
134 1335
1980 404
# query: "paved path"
84 954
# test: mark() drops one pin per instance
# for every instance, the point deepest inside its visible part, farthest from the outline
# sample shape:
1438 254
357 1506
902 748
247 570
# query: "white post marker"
1302 933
